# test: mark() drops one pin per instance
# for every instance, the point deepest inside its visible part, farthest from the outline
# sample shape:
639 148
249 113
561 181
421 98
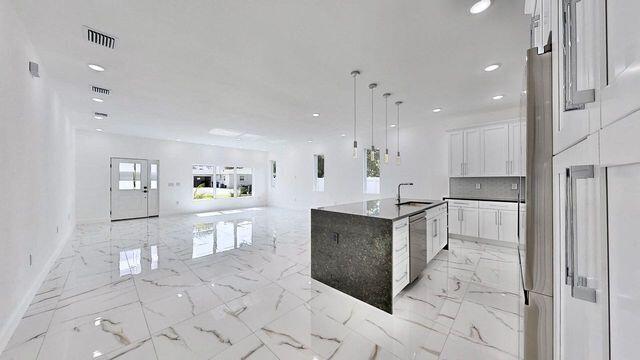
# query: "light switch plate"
514 186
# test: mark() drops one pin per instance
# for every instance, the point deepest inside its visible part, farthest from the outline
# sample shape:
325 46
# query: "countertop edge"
426 207
481 199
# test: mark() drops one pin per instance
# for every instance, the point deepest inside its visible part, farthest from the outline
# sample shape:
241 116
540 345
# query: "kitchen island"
372 249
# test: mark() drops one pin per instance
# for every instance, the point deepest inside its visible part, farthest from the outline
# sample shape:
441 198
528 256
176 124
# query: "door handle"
579 285
573 99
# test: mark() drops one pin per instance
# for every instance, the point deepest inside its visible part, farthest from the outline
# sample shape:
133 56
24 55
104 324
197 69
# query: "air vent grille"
101 39
99 114
99 90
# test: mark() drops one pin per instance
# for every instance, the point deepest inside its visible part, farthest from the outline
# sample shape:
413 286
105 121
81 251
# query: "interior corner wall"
95 149
37 178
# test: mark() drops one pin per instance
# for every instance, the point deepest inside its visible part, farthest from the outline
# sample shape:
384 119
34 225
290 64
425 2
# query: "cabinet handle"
495 214
434 228
499 217
579 286
459 218
573 99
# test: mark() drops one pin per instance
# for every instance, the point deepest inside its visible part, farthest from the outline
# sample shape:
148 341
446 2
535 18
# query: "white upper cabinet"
540 11
492 150
456 153
580 71
495 150
621 96
517 148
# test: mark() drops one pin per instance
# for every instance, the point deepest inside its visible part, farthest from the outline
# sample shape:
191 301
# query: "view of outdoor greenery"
217 182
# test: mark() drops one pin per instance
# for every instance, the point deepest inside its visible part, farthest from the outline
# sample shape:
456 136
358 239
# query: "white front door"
134 188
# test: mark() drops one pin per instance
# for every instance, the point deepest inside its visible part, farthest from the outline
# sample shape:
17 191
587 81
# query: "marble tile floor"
236 285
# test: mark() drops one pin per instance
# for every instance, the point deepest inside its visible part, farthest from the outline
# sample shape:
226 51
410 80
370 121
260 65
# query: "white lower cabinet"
490 220
400 260
436 231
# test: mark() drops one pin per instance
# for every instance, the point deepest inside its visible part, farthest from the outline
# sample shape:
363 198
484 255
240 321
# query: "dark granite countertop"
383 208
481 199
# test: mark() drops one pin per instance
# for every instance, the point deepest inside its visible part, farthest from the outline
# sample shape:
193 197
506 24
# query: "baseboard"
14 320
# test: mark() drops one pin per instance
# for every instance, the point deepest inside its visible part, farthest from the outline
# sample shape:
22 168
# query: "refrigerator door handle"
579 287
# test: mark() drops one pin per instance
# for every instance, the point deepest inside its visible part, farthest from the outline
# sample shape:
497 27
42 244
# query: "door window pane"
129 176
245 181
372 172
153 176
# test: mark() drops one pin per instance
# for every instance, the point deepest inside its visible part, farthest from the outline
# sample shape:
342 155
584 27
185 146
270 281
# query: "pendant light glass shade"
386 127
372 155
355 74
398 103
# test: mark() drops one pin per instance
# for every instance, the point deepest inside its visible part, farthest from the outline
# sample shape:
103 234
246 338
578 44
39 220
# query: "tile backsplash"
499 188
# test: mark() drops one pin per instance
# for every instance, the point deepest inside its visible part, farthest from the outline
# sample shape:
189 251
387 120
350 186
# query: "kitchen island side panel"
353 254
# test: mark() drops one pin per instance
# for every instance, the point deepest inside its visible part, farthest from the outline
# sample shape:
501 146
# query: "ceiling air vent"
99 90
99 114
98 38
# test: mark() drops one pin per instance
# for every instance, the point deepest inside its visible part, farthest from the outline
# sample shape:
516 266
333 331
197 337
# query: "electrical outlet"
177 184
477 186
514 186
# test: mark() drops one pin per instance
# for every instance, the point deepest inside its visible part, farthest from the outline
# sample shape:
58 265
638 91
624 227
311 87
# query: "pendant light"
355 74
372 156
386 127
398 103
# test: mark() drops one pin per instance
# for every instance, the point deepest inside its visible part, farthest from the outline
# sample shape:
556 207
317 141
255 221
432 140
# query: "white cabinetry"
463 217
436 230
400 271
540 11
495 150
492 150
498 221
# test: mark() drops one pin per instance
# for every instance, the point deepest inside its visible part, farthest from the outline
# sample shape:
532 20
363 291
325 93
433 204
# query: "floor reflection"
220 236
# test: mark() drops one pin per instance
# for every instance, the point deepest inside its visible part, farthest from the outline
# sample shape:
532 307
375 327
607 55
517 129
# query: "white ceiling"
261 68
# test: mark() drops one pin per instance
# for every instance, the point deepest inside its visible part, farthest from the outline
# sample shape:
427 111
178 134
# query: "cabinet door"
442 233
454 215
495 150
517 148
580 268
508 221
432 232
472 155
579 72
456 153
488 224
469 223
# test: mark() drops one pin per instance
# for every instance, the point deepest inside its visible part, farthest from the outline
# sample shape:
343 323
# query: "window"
318 172
273 173
129 176
202 181
372 172
219 182
153 176
245 181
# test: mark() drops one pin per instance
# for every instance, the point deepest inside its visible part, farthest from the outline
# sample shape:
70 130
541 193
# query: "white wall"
424 151
36 176
94 150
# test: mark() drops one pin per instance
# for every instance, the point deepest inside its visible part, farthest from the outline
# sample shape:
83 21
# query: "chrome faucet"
399 185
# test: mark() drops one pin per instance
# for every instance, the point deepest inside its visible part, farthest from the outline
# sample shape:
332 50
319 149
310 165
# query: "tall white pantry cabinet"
596 178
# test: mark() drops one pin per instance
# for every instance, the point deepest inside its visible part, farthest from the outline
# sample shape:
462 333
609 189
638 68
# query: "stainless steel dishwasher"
417 244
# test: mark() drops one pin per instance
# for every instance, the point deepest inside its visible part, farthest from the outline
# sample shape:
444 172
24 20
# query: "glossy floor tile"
236 285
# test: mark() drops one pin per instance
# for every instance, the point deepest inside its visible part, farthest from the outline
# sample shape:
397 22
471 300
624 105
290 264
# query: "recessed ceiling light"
97 100
309 141
99 130
480 6
98 117
343 135
178 140
96 67
492 67
238 139
437 110
316 114
392 125
498 97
